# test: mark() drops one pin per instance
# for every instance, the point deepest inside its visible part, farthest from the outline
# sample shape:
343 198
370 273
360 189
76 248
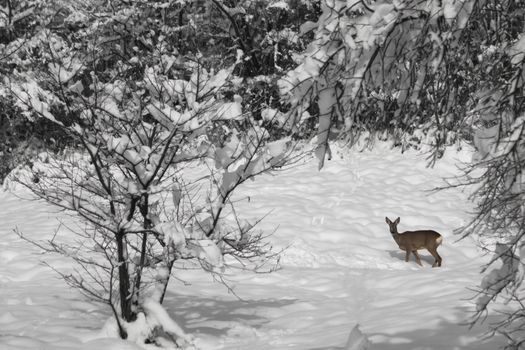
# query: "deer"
412 241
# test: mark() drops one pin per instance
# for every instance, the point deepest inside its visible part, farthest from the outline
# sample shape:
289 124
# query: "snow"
517 51
172 232
279 4
32 97
230 110
160 315
342 281
208 253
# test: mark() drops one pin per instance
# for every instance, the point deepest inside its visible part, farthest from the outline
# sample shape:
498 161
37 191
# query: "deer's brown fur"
412 241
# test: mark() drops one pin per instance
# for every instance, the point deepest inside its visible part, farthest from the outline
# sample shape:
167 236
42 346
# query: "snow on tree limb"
348 52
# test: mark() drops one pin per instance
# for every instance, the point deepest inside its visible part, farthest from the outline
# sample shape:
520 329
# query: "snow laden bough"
354 44
148 187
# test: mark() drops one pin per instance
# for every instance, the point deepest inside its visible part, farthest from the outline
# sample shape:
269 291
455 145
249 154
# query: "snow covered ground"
340 268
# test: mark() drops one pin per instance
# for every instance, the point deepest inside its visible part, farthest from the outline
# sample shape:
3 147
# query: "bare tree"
148 185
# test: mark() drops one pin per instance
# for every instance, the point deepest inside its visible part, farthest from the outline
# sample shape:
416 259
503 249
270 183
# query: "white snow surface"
340 268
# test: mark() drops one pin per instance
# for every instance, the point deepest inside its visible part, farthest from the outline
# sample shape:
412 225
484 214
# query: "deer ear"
397 221
387 220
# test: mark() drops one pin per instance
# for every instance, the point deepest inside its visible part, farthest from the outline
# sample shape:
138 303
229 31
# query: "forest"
150 124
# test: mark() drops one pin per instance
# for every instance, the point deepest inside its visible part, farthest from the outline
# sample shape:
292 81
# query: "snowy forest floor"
340 267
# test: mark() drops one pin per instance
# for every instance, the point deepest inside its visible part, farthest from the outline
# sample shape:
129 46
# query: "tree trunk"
124 283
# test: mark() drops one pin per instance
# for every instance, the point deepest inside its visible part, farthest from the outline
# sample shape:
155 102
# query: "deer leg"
407 255
436 256
418 260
